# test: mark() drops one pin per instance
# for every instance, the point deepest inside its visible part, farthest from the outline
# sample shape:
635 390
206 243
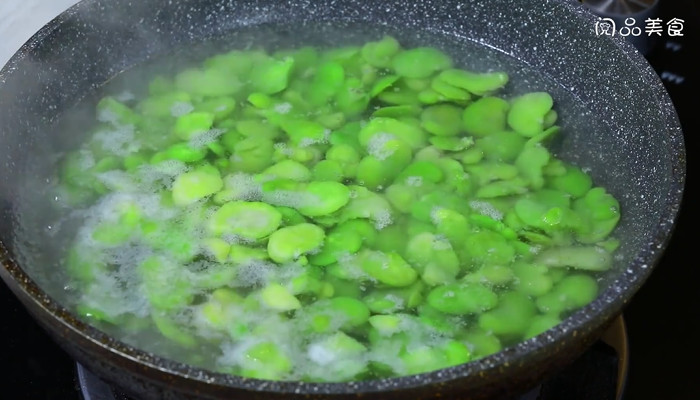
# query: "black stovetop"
662 320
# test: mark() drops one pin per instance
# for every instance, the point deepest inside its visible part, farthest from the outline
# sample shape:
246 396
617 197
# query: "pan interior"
625 156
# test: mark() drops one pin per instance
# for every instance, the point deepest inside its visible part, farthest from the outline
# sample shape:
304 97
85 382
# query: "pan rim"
606 306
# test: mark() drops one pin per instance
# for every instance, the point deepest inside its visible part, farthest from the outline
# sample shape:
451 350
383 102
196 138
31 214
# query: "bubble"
486 208
203 139
181 108
119 140
377 146
283 108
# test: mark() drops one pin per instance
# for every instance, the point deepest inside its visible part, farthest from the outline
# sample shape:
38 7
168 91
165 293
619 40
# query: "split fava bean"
372 210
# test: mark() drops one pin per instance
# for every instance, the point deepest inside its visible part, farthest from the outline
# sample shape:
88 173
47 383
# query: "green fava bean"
288 169
451 143
572 292
193 124
481 343
433 257
278 298
326 82
501 146
346 155
388 268
303 132
380 53
324 198
425 359
291 242
338 242
431 96
365 229
113 111
401 196
601 213
340 312
382 84
250 220
397 111
485 116
442 120
185 153
171 330
328 170
342 358
406 132
388 157
386 325
462 298
216 248
540 324
531 162
476 83
166 288
82 266
271 76
220 107
252 154
242 255
588 258
391 300
574 181
235 62
532 279
351 98
441 91
488 248
420 62
265 361
391 238
450 223
258 128
166 105
526 115
332 121
192 186
209 82
399 95
512 316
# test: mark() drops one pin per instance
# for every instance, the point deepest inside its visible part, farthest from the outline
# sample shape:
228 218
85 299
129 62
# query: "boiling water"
48 226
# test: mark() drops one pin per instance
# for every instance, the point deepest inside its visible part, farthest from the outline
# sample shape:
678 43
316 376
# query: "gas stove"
649 355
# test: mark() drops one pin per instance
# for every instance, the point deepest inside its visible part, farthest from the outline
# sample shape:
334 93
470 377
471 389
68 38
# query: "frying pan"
623 128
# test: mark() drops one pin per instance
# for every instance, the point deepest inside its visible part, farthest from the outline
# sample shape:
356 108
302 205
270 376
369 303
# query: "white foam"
87 160
377 145
180 108
125 96
414 181
283 108
283 149
382 219
119 140
117 180
244 187
254 274
486 208
202 139
290 198
320 354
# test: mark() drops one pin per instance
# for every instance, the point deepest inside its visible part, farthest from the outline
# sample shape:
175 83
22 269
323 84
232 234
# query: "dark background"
663 320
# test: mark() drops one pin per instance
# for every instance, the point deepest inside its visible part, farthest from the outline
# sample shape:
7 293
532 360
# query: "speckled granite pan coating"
640 157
